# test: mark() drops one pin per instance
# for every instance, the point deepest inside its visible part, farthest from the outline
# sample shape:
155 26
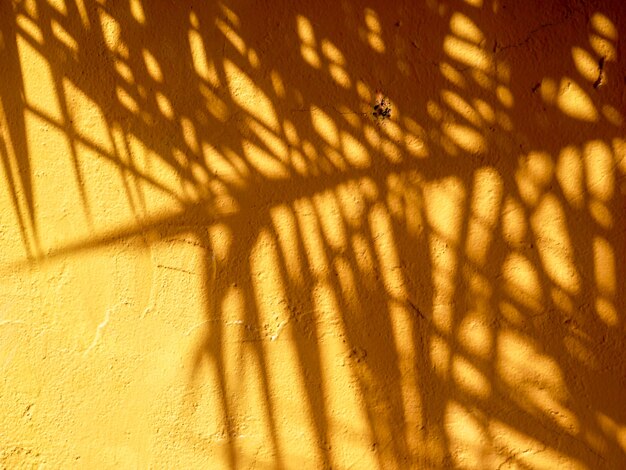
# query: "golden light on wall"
217 252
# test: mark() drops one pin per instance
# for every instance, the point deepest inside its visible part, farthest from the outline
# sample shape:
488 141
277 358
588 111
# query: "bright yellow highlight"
575 103
216 253
465 28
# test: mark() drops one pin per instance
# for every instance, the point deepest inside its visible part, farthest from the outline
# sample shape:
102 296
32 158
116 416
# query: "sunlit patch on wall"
374 31
230 170
599 170
619 152
307 42
475 335
112 32
230 15
59 6
325 126
392 130
347 282
372 137
247 95
152 66
514 224
511 314
331 221
569 174
467 53
485 110
452 75
482 79
469 378
224 202
445 142
434 110
332 53
386 252
349 116
221 238
86 115
164 104
549 90
391 151
286 228
554 244
188 131
585 64
63 36
136 9
416 146
265 163
272 142
180 158
29 29
612 115
231 36
522 281
405 201
126 100
574 102
466 138
413 127
439 355
199 174
505 96
352 203
363 254
339 75
524 367
485 208
214 105
533 176
603 47
465 28
605 277
363 91
309 150
601 214
198 55
606 311
334 160
577 345
604 26
468 438
277 84
298 162
443 202
253 58
312 241
38 82
503 72
124 71
354 152
462 107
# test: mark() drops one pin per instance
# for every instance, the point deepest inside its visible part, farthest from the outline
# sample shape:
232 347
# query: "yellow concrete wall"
214 256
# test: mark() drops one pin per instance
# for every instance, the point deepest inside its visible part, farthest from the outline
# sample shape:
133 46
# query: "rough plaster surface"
213 255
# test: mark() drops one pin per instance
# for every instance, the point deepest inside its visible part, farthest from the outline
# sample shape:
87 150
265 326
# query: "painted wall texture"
216 252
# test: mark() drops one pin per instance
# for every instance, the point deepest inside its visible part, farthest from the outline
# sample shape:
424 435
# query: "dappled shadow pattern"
438 287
